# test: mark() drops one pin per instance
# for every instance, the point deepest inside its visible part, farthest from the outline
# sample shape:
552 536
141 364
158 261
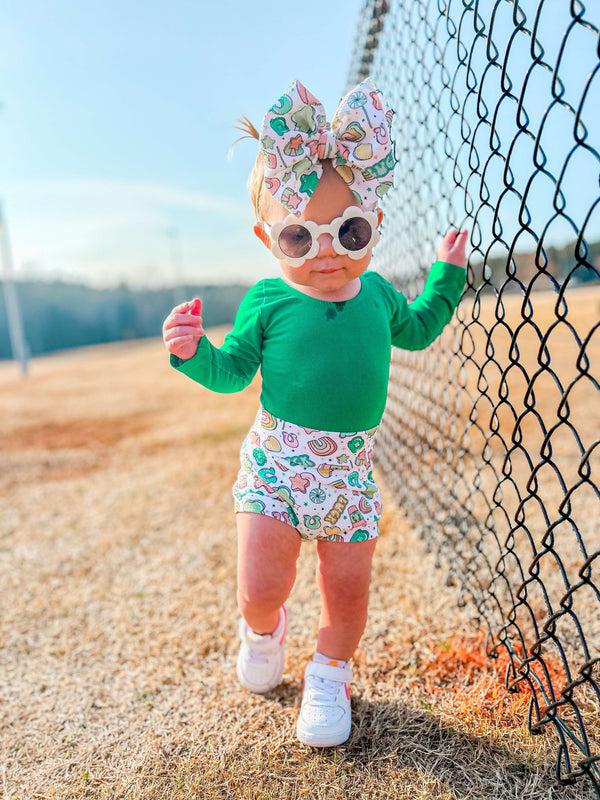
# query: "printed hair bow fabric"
295 136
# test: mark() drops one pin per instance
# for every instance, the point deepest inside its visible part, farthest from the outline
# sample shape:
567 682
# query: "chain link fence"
491 436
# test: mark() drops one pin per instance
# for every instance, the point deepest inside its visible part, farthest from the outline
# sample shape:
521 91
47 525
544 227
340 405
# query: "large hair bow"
295 136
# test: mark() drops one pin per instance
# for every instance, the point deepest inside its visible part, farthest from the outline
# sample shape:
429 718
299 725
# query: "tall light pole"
13 312
176 254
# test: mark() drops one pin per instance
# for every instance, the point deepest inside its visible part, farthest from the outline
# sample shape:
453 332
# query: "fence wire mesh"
490 438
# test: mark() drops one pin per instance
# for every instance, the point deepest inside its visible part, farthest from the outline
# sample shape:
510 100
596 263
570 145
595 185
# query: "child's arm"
417 325
226 369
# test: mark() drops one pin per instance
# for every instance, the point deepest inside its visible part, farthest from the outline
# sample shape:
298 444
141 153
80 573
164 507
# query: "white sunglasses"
295 240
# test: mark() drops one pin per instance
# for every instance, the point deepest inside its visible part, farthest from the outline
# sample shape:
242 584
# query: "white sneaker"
325 714
261 657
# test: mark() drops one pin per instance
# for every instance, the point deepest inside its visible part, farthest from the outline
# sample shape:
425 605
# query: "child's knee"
260 593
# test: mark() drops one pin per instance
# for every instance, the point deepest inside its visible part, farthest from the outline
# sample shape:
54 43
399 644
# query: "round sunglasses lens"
355 233
295 241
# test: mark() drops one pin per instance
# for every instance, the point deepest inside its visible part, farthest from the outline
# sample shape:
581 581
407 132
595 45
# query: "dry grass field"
118 618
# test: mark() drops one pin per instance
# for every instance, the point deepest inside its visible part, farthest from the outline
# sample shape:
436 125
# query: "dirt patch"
77 433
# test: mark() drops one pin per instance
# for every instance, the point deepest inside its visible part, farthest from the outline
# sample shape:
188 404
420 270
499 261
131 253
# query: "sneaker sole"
321 739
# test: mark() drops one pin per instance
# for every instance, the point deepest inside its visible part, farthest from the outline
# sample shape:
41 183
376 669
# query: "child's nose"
326 245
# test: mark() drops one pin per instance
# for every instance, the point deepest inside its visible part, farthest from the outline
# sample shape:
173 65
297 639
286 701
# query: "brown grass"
117 562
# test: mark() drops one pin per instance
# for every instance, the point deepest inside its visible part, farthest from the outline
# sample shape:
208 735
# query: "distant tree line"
61 315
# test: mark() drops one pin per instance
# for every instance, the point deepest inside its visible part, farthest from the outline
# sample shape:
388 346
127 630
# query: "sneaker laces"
323 691
260 654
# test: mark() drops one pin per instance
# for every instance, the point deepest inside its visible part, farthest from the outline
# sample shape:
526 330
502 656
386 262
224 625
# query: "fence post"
13 311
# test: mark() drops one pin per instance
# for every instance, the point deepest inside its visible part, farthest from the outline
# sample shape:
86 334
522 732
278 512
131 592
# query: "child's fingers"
182 308
182 330
450 237
455 240
188 307
460 242
177 340
183 347
182 321
454 236
176 316
196 307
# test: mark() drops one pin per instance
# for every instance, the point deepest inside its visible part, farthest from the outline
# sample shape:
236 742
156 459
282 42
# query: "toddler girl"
321 335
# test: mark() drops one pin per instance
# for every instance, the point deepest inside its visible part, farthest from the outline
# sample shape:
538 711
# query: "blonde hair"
256 178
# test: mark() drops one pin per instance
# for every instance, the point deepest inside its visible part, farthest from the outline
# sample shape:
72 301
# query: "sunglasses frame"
315 230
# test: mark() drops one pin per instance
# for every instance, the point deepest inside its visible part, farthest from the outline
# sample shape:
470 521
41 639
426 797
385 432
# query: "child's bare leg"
267 553
343 577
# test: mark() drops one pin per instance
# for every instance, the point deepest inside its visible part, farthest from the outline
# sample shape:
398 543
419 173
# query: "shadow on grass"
393 751
247 750
396 739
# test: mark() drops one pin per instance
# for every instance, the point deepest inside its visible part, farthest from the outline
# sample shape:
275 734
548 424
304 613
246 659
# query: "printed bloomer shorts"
319 482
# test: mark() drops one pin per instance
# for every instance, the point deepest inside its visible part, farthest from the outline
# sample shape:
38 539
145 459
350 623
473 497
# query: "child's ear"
262 235
379 216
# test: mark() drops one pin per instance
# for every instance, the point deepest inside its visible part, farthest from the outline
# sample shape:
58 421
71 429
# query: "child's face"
328 272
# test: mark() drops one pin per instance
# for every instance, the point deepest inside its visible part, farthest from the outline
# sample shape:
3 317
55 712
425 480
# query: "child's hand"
452 248
182 329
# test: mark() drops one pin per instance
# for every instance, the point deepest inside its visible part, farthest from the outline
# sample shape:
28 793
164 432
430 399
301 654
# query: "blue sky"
117 119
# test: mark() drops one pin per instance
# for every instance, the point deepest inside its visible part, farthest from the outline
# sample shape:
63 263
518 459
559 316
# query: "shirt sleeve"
231 367
416 325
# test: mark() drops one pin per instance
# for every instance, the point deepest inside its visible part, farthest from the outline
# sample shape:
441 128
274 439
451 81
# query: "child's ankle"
333 662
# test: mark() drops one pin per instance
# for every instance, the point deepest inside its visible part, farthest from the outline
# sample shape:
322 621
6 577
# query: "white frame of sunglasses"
316 230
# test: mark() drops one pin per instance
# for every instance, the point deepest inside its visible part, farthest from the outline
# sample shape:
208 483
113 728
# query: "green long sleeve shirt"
325 365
